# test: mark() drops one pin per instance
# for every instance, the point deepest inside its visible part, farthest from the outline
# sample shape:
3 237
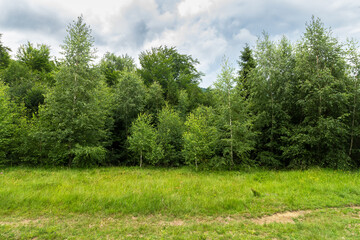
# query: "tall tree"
4 55
269 83
322 136
73 119
234 120
7 126
353 58
112 66
172 70
129 101
246 63
224 89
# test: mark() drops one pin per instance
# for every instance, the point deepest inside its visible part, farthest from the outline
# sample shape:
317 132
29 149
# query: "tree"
129 101
246 63
154 99
173 71
234 122
4 55
170 130
7 126
224 90
112 66
73 120
142 140
322 135
200 137
353 58
37 59
269 81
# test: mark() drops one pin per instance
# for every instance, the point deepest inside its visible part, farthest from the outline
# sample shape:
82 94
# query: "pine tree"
246 63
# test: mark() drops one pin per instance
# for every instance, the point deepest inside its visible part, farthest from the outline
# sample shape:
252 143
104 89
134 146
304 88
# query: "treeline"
289 105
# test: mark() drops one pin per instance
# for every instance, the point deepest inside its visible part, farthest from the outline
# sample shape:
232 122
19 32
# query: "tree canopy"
286 105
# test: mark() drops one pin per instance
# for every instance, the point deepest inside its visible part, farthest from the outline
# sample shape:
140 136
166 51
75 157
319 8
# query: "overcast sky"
205 29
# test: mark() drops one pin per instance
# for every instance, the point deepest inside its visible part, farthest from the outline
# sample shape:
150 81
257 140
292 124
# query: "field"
133 203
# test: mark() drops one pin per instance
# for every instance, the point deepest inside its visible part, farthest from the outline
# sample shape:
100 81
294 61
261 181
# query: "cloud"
19 15
205 29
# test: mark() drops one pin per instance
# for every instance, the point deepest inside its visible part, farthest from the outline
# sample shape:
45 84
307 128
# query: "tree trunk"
231 132
70 157
272 117
353 122
141 158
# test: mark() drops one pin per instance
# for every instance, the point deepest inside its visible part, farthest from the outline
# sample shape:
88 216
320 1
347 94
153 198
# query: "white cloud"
192 7
205 29
245 36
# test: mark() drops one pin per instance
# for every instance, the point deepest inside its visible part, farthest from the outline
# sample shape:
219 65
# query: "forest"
286 105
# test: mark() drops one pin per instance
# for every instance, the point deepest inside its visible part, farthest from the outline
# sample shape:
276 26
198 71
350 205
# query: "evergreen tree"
246 63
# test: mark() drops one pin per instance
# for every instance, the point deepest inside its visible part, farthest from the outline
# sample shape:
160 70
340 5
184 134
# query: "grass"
132 203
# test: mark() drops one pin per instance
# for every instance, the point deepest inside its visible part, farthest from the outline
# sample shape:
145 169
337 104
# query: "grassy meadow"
133 203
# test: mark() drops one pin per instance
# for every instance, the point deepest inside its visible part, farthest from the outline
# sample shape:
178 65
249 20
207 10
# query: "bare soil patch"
286 217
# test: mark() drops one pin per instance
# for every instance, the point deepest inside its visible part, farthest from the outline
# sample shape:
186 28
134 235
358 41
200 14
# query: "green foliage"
173 71
170 131
37 59
322 99
130 96
353 58
4 55
7 126
129 100
112 66
86 156
154 99
19 78
200 138
292 105
234 123
74 114
143 141
246 63
269 96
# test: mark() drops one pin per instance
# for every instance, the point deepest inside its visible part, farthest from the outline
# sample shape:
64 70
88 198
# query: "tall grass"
176 192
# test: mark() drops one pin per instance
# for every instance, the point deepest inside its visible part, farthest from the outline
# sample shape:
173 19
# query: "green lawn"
132 203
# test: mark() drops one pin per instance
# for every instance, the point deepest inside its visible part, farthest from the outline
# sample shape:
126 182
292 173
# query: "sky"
207 30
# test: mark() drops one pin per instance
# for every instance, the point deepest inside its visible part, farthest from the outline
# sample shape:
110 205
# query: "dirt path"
288 217
284 217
